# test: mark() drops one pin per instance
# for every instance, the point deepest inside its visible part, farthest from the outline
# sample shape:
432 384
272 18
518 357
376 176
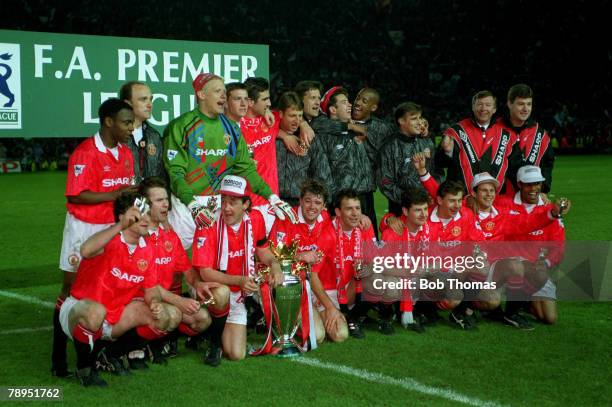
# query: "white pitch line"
25 330
405 383
26 298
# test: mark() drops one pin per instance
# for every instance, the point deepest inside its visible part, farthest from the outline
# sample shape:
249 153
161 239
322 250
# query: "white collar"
141 242
301 216
435 218
156 230
100 144
518 201
492 214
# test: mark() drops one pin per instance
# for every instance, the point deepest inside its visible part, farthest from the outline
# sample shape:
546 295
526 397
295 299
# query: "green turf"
565 364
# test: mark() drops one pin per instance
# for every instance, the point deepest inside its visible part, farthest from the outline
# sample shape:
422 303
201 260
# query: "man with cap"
542 255
201 147
225 253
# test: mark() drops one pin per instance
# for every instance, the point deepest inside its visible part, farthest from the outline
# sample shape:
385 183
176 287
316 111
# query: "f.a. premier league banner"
51 85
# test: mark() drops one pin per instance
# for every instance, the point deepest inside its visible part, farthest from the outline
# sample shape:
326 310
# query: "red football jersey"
319 238
206 252
553 233
261 140
92 167
115 277
170 257
349 247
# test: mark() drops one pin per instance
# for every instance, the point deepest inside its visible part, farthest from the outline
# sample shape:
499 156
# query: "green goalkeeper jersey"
200 151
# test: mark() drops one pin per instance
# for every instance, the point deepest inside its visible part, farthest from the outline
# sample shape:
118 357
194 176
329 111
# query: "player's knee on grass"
545 311
202 320
487 300
89 314
340 334
221 295
175 317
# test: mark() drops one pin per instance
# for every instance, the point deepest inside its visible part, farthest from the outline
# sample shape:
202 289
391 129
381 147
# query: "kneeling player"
172 263
118 266
225 253
317 248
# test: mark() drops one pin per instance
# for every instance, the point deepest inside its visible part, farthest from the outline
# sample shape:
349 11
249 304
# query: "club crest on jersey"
490 225
171 154
226 138
73 260
142 264
168 245
201 241
456 231
78 169
151 149
126 164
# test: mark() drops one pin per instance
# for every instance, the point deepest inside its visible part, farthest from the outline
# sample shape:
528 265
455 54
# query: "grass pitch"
566 364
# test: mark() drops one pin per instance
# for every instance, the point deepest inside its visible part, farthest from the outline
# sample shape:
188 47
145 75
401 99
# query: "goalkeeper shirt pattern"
200 151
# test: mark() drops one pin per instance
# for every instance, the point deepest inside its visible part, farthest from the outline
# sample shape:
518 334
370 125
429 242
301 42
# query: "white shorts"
64 315
548 291
76 232
333 296
238 312
268 214
181 220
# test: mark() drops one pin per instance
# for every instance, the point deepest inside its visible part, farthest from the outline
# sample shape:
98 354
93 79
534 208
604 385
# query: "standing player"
316 247
98 170
533 146
118 266
201 147
397 173
261 140
145 143
237 101
295 169
226 254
